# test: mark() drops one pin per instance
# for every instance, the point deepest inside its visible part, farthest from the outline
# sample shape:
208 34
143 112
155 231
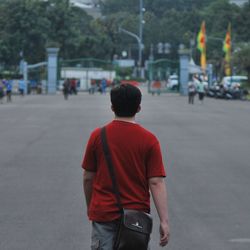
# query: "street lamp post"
192 43
133 35
139 37
141 22
138 41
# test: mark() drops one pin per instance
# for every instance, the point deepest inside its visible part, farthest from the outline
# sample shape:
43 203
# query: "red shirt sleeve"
154 162
89 160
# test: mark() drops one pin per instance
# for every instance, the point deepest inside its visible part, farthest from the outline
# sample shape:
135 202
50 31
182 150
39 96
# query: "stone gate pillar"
52 54
184 70
210 74
25 76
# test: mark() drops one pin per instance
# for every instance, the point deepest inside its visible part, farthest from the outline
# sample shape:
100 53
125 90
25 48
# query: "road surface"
206 151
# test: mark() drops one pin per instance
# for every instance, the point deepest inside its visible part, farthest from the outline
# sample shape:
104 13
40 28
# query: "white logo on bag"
137 225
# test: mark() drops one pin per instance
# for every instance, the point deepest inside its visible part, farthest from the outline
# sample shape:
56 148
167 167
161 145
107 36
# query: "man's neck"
125 119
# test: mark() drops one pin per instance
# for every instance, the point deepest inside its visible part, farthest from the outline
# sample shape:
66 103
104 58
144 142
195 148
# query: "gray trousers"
103 235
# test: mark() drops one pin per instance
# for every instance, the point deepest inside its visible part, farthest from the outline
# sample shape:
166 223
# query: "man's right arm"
159 193
88 178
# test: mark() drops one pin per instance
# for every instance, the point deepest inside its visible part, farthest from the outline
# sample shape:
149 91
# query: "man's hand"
159 194
164 234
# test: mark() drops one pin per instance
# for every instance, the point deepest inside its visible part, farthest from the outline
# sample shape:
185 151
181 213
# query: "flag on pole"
227 47
201 38
201 45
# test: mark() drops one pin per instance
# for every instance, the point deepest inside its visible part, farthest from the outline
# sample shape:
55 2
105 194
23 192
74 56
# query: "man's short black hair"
125 100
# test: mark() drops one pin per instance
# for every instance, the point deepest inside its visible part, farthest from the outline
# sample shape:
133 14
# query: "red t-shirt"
136 156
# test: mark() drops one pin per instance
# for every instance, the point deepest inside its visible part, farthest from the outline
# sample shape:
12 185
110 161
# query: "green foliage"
179 21
113 6
242 59
124 73
159 7
242 24
32 25
22 28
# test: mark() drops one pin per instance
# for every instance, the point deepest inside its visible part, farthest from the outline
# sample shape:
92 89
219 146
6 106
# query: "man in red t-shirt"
137 160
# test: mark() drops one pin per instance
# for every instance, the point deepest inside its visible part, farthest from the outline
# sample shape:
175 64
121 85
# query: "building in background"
239 2
90 6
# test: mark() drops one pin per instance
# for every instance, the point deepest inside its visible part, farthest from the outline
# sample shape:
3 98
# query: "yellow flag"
201 45
227 49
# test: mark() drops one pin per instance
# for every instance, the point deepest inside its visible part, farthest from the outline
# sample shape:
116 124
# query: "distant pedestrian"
92 87
103 86
201 90
191 92
78 84
9 90
66 88
73 89
156 87
1 92
21 86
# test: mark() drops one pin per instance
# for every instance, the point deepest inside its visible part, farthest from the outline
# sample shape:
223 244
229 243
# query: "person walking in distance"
66 86
21 86
73 88
103 86
9 90
191 92
1 92
139 170
201 90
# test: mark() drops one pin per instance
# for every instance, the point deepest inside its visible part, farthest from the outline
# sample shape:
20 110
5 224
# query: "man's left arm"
88 178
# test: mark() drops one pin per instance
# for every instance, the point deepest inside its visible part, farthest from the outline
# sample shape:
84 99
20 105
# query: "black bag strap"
110 167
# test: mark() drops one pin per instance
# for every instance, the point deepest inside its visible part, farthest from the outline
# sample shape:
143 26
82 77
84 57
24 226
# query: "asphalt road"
206 150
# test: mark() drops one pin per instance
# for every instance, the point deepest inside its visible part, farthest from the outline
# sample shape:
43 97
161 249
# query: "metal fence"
163 76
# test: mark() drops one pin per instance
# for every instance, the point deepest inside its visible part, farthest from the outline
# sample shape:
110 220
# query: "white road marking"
240 240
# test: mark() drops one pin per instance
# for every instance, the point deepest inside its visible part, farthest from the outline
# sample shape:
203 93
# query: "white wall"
238 2
86 74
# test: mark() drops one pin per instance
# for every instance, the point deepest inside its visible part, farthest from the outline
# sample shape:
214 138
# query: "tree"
31 25
241 59
159 7
68 26
242 24
34 25
113 6
22 28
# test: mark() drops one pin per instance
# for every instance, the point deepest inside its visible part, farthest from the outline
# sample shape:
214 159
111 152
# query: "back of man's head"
125 100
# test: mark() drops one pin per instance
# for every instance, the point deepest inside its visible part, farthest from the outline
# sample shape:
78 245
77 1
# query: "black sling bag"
135 226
